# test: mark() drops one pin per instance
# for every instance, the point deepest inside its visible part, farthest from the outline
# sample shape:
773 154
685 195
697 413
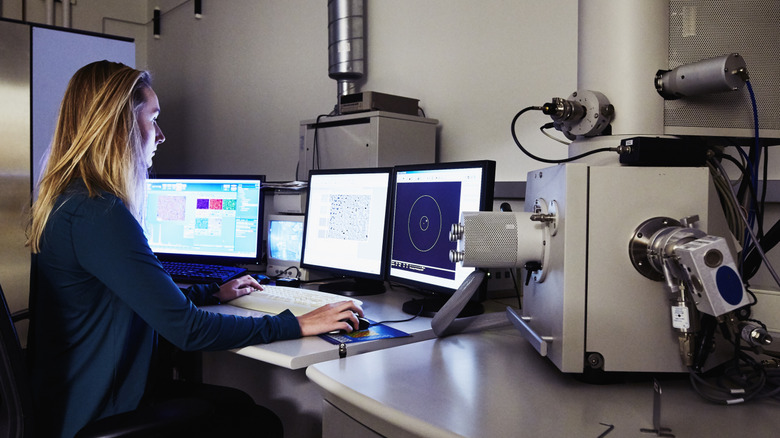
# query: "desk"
273 374
300 353
494 384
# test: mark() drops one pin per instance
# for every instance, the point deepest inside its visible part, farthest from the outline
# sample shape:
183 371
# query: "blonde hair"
96 140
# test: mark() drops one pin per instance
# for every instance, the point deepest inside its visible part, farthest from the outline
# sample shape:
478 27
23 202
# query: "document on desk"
373 333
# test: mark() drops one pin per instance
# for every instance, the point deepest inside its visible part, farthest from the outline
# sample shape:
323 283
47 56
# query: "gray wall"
235 84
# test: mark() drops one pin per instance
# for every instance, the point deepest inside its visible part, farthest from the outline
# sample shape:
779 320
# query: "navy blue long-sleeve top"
102 296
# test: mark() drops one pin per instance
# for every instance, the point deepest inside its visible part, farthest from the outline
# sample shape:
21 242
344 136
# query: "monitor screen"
285 241
205 218
345 228
427 200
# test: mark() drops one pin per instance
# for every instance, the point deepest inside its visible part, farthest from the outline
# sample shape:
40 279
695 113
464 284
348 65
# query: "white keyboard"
275 299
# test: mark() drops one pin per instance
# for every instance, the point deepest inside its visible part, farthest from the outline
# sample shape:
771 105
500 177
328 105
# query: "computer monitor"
347 216
427 200
285 244
205 218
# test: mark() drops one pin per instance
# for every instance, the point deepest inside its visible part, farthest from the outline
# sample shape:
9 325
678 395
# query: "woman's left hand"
237 287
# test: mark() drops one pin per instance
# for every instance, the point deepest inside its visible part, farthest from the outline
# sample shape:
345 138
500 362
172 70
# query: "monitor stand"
354 287
429 306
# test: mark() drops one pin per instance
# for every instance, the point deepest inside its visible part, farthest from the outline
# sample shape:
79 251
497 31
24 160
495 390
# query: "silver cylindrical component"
562 110
345 87
584 113
654 241
664 242
500 239
345 41
456 232
754 334
713 75
616 57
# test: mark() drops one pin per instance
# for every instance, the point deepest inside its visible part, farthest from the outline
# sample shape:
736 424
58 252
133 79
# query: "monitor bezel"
220 260
342 272
488 168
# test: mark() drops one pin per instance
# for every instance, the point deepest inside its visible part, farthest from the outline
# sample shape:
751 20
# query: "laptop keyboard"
201 273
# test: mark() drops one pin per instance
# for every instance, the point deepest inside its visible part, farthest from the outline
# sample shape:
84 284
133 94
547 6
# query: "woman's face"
151 134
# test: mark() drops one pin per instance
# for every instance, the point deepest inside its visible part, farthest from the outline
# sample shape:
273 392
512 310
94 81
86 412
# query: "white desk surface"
300 353
494 384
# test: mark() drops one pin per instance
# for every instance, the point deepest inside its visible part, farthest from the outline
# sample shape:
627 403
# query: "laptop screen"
205 218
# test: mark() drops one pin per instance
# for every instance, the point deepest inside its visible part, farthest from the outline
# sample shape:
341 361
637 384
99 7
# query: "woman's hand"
330 317
237 287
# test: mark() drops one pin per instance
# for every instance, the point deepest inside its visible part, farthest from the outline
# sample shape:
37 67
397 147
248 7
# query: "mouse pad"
373 333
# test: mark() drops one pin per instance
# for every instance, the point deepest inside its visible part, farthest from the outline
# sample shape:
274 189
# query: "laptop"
201 227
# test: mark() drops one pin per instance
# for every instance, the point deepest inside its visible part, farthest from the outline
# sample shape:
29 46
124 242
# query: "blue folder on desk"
373 333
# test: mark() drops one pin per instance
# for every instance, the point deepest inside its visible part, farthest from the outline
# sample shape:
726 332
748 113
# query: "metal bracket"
540 343
657 429
547 214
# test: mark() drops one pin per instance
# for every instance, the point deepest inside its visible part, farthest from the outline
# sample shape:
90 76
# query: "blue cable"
754 176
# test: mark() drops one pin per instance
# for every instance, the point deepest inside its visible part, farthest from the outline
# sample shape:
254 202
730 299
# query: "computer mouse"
363 324
289 282
262 279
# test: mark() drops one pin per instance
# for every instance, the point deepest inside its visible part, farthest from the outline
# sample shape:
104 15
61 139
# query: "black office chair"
173 418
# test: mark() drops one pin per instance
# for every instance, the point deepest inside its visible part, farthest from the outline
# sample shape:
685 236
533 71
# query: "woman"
102 296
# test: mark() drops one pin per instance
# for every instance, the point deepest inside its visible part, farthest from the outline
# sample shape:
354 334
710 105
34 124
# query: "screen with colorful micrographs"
374 332
205 216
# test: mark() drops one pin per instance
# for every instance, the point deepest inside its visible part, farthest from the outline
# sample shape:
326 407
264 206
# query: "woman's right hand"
330 317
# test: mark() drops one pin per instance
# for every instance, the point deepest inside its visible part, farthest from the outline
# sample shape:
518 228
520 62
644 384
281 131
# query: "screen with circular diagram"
427 200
